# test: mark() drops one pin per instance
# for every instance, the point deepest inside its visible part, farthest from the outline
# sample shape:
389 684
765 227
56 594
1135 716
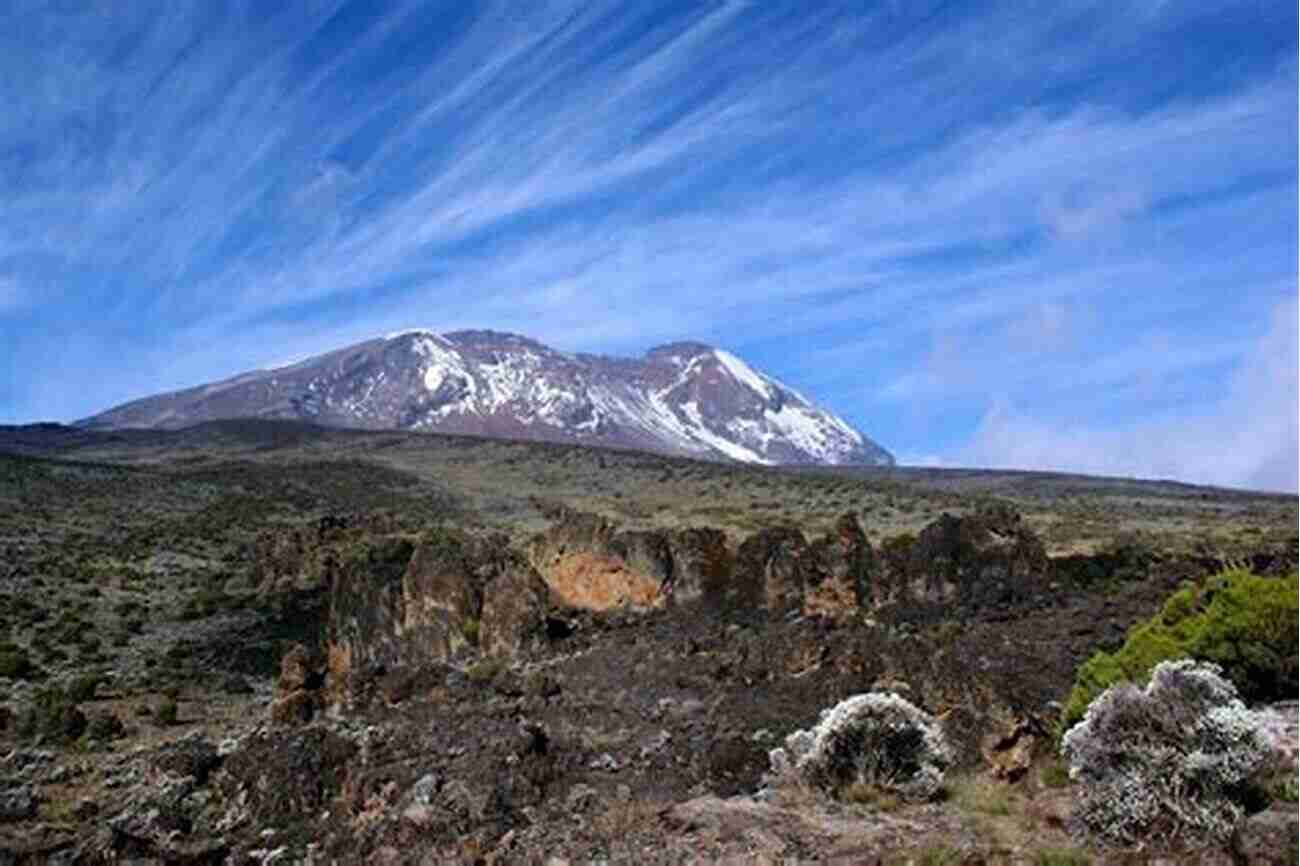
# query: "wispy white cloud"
932 206
1245 436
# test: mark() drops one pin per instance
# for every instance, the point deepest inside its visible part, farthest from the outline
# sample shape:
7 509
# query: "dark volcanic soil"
184 566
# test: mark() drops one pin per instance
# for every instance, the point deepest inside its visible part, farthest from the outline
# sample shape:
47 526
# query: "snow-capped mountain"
682 398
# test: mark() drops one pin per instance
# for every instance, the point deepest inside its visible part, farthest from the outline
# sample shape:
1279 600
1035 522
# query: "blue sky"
1038 235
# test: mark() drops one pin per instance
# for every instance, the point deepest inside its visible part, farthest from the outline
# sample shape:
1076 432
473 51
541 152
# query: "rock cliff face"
403 600
683 398
487 699
398 602
982 560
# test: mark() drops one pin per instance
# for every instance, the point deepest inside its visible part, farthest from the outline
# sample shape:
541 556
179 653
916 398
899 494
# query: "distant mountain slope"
683 398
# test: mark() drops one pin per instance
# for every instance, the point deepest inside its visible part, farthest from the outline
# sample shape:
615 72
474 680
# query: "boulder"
297 671
702 565
841 576
17 804
295 708
1010 753
514 611
441 593
298 557
193 757
983 560
773 567
365 608
590 565
280 775
298 689
403 605
1267 838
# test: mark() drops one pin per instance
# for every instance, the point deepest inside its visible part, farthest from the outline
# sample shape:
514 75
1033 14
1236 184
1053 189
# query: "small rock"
1010 753
296 670
424 790
296 707
17 804
1264 838
581 798
420 816
191 756
234 684
656 744
605 762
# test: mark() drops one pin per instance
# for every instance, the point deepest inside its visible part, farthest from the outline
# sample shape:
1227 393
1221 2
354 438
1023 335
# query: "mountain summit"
683 398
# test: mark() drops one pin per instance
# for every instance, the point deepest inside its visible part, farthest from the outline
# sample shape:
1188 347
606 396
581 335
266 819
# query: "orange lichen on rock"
590 581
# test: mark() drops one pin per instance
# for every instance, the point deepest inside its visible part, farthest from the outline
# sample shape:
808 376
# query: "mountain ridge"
684 398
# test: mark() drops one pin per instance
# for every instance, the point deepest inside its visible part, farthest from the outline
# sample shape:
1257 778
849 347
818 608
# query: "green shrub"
83 688
873 796
470 628
936 855
1285 788
484 670
167 712
53 716
980 794
1054 775
1244 623
1061 857
105 727
15 663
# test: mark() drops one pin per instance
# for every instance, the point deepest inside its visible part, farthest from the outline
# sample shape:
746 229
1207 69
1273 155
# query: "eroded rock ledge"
399 599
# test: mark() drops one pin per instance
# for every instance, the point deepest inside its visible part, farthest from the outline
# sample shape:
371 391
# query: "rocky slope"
464 701
683 398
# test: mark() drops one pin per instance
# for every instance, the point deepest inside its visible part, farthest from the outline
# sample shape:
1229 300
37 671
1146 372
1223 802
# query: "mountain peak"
685 398
685 349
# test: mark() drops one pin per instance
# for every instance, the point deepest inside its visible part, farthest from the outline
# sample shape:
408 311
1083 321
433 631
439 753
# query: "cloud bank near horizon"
1060 240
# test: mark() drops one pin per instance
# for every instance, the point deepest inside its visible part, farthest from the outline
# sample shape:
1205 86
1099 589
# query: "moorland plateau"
268 642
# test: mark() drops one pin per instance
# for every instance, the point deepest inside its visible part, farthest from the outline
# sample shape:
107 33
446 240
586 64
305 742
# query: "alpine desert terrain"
266 641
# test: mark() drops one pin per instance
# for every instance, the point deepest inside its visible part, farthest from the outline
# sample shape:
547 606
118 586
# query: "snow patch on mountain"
684 398
701 431
745 374
805 430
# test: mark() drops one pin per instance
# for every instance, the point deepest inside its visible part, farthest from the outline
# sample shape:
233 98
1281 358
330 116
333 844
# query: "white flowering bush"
875 739
1170 760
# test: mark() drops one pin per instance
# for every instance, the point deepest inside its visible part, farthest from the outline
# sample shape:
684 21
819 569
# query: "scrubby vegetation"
1169 761
1240 621
606 736
874 741
52 716
15 664
167 712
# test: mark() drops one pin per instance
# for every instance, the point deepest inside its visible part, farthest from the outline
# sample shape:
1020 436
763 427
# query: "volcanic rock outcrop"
397 602
403 601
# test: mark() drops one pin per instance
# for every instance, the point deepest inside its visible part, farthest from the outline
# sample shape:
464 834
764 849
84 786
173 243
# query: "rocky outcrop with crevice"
963 564
402 602
589 563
